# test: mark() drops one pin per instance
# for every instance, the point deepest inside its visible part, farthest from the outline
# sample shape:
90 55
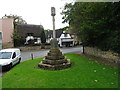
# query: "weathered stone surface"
55 54
54 67
54 60
54 43
54 57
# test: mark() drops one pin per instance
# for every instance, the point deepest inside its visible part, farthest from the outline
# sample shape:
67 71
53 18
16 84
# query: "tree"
96 24
16 19
43 40
18 40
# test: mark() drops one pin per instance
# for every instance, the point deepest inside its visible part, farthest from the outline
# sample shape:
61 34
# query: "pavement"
37 54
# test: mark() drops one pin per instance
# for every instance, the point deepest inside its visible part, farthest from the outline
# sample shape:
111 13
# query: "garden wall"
7 45
32 48
108 55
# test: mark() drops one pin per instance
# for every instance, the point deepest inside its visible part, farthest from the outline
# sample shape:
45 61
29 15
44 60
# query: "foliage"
84 73
64 28
43 40
16 19
18 40
96 24
31 42
43 37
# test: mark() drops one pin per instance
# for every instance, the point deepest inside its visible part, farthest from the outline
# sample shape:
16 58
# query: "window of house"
29 34
35 39
65 35
0 35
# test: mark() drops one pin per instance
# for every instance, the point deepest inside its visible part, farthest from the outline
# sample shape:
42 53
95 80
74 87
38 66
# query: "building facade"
64 38
6 33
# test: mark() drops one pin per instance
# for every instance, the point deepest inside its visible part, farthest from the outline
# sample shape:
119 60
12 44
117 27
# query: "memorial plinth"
54 60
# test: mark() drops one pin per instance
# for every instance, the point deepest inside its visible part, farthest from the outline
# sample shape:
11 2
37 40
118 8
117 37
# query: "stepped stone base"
54 60
54 66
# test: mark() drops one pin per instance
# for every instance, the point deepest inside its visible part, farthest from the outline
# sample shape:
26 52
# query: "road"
37 54
42 53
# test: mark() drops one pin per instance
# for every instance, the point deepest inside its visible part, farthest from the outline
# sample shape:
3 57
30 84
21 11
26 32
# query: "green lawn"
84 73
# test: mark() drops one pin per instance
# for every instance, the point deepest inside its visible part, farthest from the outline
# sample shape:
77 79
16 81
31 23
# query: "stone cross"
53 19
54 60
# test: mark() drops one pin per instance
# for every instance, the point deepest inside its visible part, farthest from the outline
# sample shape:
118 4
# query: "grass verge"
84 73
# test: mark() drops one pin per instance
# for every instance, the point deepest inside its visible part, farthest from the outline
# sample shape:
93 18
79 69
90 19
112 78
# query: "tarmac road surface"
37 54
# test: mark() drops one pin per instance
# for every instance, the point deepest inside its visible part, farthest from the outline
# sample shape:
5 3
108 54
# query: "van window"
14 55
5 55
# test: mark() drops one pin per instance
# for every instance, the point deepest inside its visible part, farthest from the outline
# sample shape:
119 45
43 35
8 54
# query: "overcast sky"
35 11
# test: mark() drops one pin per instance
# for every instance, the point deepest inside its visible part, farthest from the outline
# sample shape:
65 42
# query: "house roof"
49 34
24 29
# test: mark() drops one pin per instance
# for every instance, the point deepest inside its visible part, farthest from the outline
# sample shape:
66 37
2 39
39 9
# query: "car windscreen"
5 55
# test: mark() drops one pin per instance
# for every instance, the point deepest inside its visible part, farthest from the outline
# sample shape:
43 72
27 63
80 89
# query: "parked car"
9 58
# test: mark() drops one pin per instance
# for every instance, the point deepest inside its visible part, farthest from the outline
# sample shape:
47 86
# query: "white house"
64 39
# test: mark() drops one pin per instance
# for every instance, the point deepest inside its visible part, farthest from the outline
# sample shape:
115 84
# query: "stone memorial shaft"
54 60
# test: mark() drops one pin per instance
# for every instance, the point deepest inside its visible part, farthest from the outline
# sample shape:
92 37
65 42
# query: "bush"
17 39
19 42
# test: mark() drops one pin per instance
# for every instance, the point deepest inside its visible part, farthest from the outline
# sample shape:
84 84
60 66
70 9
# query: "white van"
9 57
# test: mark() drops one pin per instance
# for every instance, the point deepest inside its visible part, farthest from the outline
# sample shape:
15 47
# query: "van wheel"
19 60
10 66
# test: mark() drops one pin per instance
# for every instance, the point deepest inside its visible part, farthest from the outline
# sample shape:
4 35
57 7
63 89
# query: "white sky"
35 11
